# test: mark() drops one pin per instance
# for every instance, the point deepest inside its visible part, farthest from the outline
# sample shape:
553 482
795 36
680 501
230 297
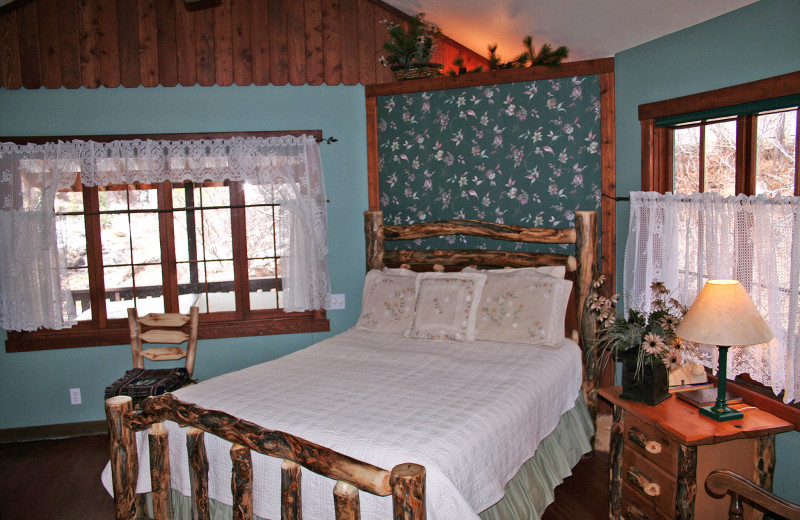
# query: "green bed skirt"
527 495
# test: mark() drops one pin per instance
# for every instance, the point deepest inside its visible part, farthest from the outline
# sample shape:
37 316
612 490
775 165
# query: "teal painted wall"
755 42
35 386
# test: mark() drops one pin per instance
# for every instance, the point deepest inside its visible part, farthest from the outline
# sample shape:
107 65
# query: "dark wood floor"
60 479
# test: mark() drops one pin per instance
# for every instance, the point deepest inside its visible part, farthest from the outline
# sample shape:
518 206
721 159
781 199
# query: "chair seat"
143 382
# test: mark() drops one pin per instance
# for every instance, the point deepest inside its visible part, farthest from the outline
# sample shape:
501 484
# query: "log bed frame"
405 482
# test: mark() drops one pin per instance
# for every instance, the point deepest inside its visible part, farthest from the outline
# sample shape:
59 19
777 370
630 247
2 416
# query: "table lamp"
723 315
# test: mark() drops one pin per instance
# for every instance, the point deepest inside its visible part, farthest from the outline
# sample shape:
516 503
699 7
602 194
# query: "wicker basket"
428 70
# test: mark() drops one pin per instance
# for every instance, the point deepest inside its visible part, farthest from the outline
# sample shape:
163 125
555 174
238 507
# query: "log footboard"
406 482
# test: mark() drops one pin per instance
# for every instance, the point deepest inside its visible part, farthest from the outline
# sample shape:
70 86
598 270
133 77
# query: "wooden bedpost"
291 505
159 471
586 251
346 501
242 482
408 491
124 457
373 232
198 473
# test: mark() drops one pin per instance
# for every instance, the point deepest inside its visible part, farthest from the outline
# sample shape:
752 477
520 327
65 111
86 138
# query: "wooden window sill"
210 328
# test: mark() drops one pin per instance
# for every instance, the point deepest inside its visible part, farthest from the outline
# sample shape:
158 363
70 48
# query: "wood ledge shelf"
493 77
683 422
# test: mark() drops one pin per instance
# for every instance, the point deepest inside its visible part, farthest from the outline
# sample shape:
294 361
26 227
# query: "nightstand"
661 455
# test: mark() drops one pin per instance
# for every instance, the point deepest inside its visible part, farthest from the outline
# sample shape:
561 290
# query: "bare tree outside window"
777 153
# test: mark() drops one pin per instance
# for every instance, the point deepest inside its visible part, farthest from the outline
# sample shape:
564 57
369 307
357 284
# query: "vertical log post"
615 463
290 491
346 501
408 491
159 472
198 473
373 232
686 490
124 461
242 482
764 467
586 251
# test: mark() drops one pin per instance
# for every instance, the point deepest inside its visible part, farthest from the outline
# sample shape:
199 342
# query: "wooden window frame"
657 176
216 325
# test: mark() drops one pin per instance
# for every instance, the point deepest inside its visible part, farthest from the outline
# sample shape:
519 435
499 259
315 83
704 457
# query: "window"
737 140
705 155
165 246
740 139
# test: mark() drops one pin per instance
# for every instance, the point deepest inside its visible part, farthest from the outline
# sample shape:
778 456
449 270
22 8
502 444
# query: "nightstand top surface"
683 422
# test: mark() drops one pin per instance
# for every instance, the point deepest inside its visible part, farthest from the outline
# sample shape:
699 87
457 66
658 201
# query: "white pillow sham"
522 307
387 302
446 305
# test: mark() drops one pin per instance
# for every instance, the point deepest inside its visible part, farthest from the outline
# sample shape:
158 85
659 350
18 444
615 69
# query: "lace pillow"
445 306
387 302
522 307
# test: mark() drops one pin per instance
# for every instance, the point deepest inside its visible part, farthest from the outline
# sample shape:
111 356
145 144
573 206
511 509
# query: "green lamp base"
721 413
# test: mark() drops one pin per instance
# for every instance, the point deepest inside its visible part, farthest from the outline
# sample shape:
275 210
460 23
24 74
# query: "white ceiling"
589 28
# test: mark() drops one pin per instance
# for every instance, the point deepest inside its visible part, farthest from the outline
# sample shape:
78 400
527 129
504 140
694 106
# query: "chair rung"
164 353
164 320
165 336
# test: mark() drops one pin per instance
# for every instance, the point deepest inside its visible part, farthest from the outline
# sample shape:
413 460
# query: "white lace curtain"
686 240
33 291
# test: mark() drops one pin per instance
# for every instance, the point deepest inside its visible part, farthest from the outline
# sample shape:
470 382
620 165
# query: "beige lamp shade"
724 314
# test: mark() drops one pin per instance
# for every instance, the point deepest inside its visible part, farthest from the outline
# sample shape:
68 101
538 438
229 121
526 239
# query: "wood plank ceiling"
93 43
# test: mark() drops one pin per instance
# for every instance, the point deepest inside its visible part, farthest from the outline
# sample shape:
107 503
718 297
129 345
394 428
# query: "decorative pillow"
522 307
387 302
445 306
556 271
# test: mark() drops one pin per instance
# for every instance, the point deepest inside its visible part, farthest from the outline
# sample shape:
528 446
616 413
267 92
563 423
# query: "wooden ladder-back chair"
723 481
171 329
405 482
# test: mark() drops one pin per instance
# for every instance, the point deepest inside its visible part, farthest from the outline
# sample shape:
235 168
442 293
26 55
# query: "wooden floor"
60 479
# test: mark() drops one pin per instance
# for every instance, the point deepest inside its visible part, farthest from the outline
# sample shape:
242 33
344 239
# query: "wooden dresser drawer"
652 444
634 507
648 482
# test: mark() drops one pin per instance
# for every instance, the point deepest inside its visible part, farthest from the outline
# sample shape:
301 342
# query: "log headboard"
581 267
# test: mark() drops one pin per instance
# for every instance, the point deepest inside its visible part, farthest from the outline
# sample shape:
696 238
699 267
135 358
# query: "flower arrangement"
408 47
652 334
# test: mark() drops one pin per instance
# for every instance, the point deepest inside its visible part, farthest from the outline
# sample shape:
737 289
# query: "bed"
469 425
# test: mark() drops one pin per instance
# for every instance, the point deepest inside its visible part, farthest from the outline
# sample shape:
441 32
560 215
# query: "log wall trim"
111 43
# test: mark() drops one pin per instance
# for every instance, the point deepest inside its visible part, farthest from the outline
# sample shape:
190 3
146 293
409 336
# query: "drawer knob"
640 439
639 479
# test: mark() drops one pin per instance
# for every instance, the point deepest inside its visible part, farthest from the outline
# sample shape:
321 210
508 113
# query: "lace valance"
32 291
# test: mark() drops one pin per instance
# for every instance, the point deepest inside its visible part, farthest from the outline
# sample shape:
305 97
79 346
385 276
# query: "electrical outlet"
75 395
337 301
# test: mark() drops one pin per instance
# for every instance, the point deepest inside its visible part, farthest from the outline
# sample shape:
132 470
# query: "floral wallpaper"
520 153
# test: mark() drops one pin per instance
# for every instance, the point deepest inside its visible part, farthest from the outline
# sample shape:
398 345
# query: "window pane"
720 160
119 290
264 284
215 230
260 232
776 153
145 238
71 232
686 160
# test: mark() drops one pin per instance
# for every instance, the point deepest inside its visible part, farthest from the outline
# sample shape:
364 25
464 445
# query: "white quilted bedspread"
472 414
